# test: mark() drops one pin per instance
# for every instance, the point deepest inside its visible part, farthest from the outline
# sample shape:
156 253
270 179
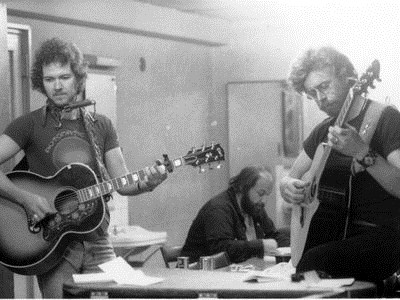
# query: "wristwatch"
369 159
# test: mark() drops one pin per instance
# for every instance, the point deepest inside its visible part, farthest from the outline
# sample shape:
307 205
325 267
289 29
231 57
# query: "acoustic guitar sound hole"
66 202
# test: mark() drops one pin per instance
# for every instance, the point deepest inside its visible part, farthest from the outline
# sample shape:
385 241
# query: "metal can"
206 263
182 262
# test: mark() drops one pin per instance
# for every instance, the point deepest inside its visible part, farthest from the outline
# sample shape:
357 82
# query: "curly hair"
56 50
247 178
317 59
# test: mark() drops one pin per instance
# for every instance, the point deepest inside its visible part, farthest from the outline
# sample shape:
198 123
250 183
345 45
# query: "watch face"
369 159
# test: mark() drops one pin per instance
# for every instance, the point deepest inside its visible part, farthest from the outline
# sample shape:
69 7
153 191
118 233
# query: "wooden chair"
170 254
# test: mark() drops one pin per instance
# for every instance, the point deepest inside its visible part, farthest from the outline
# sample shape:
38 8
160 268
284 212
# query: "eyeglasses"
315 93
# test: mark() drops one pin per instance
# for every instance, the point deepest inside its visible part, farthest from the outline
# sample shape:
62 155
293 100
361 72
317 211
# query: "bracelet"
369 159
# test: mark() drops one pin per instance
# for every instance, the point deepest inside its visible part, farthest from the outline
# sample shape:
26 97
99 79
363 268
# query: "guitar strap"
369 123
89 123
371 119
366 131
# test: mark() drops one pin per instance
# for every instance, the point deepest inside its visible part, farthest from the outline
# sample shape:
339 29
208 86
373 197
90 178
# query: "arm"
385 171
291 186
116 167
222 234
281 235
33 204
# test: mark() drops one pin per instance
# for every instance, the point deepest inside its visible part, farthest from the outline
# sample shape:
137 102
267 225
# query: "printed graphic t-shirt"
49 147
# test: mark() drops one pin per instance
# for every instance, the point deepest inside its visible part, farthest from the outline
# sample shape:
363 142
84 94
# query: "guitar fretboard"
109 186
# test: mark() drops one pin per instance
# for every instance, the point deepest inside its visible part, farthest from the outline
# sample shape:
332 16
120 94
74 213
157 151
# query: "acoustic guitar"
74 191
327 198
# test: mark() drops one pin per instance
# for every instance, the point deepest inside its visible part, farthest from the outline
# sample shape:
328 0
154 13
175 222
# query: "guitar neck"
339 122
195 158
110 186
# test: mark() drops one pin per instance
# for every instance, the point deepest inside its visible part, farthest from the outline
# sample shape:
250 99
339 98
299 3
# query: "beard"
255 210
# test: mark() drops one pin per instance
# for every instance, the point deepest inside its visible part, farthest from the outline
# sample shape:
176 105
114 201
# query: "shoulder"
29 118
391 112
317 135
101 118
220 201
387 134
102 121
323 125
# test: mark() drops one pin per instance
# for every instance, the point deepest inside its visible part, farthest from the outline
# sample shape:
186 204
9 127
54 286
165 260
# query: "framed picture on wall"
292 123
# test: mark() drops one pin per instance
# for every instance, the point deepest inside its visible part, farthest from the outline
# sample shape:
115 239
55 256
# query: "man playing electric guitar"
356 235
55 136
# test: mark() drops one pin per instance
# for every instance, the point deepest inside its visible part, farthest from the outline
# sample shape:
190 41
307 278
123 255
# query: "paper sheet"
281 271
332 283
93 277
120 271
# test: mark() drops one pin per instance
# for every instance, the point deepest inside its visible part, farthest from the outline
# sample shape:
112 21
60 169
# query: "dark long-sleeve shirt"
219 226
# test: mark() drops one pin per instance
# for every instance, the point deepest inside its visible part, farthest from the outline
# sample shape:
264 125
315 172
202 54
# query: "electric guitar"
74 191
327 197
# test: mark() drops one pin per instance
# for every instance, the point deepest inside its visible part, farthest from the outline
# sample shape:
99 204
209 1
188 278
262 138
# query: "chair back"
170 253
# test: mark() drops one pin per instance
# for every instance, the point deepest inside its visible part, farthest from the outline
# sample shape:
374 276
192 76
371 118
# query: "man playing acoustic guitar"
345 184
54 137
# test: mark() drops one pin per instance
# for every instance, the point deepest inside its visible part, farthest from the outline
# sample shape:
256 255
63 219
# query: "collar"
55 112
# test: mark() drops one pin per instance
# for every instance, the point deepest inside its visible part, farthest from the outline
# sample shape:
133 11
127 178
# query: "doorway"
19 45
19 56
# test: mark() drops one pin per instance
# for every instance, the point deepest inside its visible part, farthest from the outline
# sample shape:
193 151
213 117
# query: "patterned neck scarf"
89 122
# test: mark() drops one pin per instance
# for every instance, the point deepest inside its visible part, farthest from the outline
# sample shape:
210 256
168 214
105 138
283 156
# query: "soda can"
206 263
182 262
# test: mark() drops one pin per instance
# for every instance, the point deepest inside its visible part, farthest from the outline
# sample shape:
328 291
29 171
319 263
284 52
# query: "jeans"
369 254
80 257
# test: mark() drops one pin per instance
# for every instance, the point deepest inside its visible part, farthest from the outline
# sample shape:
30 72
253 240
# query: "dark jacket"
219 226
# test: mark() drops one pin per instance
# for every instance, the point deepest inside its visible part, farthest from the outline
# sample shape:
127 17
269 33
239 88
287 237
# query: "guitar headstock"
197 157
367 79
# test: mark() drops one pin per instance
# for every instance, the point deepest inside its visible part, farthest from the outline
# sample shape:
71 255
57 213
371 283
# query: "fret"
141 174
132 178
81 195
194 158
87 196
90 192
115 183
121 182
96 190
102 188
106 187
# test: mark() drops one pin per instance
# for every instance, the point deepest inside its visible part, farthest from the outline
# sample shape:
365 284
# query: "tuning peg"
212 145
193 149
201 170
219 166
203 147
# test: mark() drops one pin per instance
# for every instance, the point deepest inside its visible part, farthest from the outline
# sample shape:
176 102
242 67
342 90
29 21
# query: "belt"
365 223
